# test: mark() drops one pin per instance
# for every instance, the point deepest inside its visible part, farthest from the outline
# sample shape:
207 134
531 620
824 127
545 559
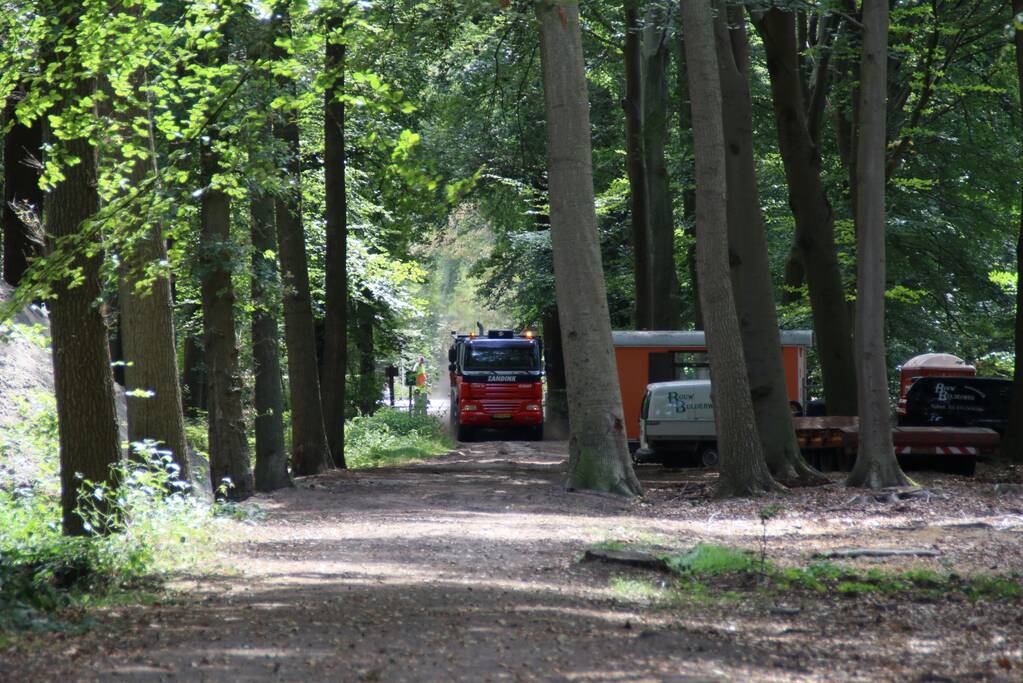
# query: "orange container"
644 357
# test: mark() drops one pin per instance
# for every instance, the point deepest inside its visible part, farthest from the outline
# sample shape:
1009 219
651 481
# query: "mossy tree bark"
598 453
876 465
748 257
310 453
742 467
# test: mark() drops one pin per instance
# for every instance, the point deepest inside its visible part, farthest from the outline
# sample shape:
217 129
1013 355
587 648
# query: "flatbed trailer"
831 443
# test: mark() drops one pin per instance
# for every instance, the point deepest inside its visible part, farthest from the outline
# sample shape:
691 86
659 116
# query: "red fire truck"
496 381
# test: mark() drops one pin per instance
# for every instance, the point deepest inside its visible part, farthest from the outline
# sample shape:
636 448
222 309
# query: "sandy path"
466 568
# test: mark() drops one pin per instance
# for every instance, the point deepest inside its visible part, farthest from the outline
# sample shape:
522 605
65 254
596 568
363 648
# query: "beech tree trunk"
271 471
685 122
636 168
598 453
815 221
228 442
876 465
335 343
557 426
147 324
665 304
750 269
1012 445
742 467
22 198
83 383
369 388
310 453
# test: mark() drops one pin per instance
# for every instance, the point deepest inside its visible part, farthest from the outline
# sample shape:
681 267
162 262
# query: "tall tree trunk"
369 388
22 198
193 372
228 442
636 167
815 220
750 268
685 129
310 452
665 304
147 323
271 471
557 426
598 453
742 466
1012 445
335 343
87 421
876 465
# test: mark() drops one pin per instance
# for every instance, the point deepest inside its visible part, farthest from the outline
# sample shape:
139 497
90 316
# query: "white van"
677 424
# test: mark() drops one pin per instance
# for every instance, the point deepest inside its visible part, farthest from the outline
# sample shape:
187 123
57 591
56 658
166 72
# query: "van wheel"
464 433
535 433
709 456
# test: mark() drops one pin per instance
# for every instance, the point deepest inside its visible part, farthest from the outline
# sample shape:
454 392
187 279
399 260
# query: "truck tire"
535 433
464 433
709 457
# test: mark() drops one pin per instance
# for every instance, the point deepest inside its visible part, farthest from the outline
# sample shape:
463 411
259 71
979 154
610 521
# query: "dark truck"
497 382
958 402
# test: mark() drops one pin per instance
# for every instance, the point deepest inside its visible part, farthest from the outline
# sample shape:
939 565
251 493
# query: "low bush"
155 526
390 436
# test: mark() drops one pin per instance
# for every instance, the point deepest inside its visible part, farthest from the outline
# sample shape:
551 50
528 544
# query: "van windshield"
522 357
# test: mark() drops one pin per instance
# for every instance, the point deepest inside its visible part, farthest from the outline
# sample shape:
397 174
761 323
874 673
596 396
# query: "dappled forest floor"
468 568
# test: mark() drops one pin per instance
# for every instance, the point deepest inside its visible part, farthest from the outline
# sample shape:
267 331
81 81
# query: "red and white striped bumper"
936 450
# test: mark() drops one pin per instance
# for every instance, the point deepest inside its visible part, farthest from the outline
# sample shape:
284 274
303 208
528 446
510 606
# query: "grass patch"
720 573
392 436
635 590
712 560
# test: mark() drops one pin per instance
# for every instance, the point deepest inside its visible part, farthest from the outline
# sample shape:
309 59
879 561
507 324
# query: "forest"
250 248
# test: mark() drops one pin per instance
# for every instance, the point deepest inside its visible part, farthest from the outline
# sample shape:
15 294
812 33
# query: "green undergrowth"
49 581
392 436
720 573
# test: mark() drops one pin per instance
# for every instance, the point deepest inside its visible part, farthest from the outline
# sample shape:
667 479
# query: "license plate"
502 416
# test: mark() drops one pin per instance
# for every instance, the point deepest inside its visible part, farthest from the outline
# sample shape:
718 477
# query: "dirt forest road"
466 568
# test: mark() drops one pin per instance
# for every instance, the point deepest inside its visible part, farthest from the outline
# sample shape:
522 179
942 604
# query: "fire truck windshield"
489 357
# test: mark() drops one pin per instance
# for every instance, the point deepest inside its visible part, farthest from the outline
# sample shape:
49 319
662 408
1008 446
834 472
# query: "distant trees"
797 117
1013 443
598 454
310 453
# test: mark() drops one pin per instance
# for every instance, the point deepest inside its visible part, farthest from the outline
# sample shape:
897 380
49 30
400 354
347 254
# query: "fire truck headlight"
469 407
533 406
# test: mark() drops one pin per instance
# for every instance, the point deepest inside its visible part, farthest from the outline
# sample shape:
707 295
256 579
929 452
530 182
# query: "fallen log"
627 558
